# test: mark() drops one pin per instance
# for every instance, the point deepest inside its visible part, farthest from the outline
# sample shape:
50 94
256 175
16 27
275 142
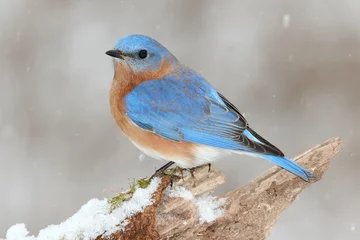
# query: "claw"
192 172
171 182
181 170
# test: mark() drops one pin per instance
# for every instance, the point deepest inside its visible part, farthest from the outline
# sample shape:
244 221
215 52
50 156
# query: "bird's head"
141 54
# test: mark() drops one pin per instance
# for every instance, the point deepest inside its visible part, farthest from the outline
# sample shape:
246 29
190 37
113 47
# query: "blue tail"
279 160
291 166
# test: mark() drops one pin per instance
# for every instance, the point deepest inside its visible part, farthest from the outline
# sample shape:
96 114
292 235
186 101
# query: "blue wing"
189 108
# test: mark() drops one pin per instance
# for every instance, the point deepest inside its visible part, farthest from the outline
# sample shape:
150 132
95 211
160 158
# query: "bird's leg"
166 166
161 170
209 164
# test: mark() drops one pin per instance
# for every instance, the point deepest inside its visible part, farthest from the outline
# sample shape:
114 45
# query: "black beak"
115 54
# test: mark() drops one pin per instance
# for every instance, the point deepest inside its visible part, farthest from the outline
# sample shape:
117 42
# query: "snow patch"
178 191
209 207
93 219
17 232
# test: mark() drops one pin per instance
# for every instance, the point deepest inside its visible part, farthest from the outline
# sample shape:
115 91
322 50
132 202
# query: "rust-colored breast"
125 80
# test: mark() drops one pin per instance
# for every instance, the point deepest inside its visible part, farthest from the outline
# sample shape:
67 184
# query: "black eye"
143 54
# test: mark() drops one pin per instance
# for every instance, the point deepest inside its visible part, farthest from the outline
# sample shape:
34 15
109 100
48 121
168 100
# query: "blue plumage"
178 104
291 166
185 109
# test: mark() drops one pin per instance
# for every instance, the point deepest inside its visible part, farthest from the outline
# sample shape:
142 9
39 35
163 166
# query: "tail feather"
291 166
274 155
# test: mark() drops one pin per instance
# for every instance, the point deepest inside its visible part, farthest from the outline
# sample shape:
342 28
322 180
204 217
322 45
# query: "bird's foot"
166 171
173 174
177 172
192 170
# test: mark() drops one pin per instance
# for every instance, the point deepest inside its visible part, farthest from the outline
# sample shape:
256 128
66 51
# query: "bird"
172 113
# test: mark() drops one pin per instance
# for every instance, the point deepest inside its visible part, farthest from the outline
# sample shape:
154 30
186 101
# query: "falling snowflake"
286 20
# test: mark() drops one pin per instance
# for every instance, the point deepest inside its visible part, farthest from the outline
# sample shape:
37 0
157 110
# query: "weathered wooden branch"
250 211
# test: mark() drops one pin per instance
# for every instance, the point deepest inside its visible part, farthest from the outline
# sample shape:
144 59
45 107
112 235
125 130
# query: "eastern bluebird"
172 113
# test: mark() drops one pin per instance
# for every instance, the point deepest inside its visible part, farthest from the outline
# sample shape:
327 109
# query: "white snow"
92 219
209 207
142 157
286 20
178 191
18 232
353 227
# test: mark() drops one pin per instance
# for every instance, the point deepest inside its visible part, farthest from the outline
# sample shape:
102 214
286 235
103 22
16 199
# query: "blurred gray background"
293 68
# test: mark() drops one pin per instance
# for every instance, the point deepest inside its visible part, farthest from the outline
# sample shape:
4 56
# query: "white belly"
203 155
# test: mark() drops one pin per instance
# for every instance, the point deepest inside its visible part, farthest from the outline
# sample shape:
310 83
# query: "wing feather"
190 109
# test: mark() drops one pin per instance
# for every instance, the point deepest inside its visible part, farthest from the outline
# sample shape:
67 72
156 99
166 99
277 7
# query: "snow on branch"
187 210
